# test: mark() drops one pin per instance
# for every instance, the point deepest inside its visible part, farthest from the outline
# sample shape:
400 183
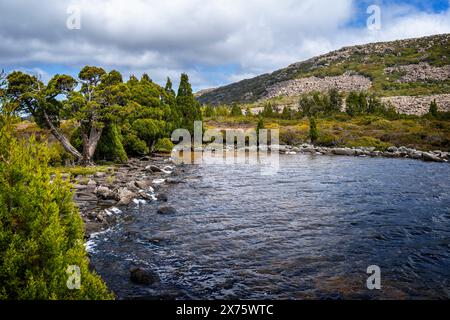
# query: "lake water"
308 232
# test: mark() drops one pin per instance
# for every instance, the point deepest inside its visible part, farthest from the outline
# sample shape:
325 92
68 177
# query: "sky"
215 42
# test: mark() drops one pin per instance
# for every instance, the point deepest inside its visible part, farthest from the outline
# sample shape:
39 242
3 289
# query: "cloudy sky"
215 41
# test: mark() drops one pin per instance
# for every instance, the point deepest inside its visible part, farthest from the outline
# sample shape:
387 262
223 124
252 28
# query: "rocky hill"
412 67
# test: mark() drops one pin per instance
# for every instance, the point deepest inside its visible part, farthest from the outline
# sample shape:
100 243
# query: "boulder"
416 155
143 276
100 175
131 185
308 150
173 180
146 196
143 184
392 149
162 197
426 156
344 152
125 196
152 168
105 193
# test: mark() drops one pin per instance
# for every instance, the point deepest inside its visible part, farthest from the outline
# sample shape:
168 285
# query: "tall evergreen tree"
169 96
433 109
335 101
313 133
145 77
169 88
186 104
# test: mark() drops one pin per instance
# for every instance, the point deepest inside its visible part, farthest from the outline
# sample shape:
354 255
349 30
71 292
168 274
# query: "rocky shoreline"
391 152
102 196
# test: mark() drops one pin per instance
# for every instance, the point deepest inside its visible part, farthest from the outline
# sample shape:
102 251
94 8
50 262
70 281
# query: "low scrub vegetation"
366 122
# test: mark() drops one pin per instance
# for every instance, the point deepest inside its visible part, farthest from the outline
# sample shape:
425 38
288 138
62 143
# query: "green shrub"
366 120
382 124
57 155
110 147
149 130
327 140
164 145
76 140
367 142
292 137
41 232
235 111
134 146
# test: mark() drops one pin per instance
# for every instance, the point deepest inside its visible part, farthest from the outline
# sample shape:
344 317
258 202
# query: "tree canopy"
133 114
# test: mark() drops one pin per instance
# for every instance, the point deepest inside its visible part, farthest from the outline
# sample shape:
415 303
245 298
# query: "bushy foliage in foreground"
41 232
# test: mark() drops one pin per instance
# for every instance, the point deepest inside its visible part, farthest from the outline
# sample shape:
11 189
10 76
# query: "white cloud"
165 38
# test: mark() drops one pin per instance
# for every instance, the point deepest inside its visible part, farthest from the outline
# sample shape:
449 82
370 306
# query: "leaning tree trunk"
62 139
86 160
90 144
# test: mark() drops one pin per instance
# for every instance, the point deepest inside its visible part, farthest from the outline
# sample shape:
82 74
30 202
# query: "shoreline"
102 196
391 152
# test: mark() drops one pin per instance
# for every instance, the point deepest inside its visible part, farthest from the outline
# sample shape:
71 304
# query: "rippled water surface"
308 232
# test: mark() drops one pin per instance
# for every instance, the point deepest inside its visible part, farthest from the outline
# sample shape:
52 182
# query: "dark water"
308 232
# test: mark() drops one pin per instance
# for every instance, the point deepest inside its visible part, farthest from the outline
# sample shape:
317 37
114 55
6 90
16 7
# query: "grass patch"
79 171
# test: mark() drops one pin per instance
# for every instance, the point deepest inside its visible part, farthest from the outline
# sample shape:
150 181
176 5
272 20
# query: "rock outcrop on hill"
346 83
418 105
398 69
420 72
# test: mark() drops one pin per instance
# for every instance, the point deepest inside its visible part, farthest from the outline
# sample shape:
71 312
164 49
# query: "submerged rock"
174 180
162 197
143 276
166 210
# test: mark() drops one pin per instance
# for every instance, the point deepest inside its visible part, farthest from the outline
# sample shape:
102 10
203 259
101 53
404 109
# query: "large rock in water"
143 184
105 193
163 197
344 152
143 276
125 196
153 168
431 157
166 210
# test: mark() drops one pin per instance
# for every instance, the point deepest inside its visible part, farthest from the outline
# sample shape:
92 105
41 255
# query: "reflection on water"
309 231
